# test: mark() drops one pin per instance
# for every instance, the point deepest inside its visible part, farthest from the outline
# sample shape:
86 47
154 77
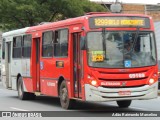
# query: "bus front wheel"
66 103
24 95
124 103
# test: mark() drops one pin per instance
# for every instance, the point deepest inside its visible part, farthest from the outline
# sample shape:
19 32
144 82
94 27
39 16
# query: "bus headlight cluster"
92 80
151 81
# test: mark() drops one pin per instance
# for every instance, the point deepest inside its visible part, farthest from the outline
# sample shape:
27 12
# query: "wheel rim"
64 95
20 90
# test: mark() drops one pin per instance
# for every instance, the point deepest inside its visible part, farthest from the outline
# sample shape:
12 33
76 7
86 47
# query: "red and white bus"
96 57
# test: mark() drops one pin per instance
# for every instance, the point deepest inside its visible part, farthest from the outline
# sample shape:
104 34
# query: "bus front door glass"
76 64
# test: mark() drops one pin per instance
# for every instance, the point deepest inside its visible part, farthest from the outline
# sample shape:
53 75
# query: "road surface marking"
18 109
138 108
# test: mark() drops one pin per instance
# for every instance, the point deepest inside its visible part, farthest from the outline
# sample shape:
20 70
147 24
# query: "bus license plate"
124 93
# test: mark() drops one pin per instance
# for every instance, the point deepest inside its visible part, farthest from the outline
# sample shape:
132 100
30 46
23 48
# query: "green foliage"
22 13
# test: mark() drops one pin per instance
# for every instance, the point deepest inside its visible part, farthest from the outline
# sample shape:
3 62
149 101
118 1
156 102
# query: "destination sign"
98 22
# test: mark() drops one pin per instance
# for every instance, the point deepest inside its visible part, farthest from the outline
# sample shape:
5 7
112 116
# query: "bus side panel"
27 78
48 80
63 71
28 86
50 73
49 87
28 68
16 69
24 67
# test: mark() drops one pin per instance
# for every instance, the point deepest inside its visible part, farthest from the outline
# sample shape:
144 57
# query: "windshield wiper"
104 41
135 40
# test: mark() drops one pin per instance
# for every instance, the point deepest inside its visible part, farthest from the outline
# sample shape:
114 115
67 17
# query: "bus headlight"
151 81
94 82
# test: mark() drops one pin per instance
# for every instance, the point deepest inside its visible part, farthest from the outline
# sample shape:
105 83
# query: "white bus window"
17 47
26 46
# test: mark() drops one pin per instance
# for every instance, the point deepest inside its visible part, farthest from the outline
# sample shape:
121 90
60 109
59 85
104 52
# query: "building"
151 10
130 8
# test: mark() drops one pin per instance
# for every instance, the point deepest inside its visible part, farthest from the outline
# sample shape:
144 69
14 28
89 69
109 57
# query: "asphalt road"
9 102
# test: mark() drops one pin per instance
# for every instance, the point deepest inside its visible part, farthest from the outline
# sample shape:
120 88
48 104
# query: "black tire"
24 95
124 103
66 103
32 96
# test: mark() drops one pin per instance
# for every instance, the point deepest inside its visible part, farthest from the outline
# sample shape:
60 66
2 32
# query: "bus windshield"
121 49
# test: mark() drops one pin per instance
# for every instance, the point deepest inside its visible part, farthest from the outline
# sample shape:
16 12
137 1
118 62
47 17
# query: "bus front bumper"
112 94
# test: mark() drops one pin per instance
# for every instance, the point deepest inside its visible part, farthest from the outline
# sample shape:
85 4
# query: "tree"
22 13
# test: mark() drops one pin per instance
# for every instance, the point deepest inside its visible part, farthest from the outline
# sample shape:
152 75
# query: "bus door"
36 63
8 65
76 65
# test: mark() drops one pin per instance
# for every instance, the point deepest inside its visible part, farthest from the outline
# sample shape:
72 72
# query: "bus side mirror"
82 43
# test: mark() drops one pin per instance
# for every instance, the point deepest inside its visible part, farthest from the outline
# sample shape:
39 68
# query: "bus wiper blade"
104 41
135 39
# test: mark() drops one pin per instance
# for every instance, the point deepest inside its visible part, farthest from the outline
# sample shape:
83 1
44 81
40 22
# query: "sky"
132 1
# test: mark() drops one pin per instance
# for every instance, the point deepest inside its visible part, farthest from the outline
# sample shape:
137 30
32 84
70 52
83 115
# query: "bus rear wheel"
66 103
124 103
24 95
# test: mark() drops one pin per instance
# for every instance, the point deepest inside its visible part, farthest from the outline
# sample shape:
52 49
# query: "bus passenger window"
61 43
17 47
56 40
56 44
26 46
14 43
47 44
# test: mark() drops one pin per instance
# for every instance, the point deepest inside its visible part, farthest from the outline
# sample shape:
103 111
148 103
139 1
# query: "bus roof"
57 24
62 23
76 20
15 32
